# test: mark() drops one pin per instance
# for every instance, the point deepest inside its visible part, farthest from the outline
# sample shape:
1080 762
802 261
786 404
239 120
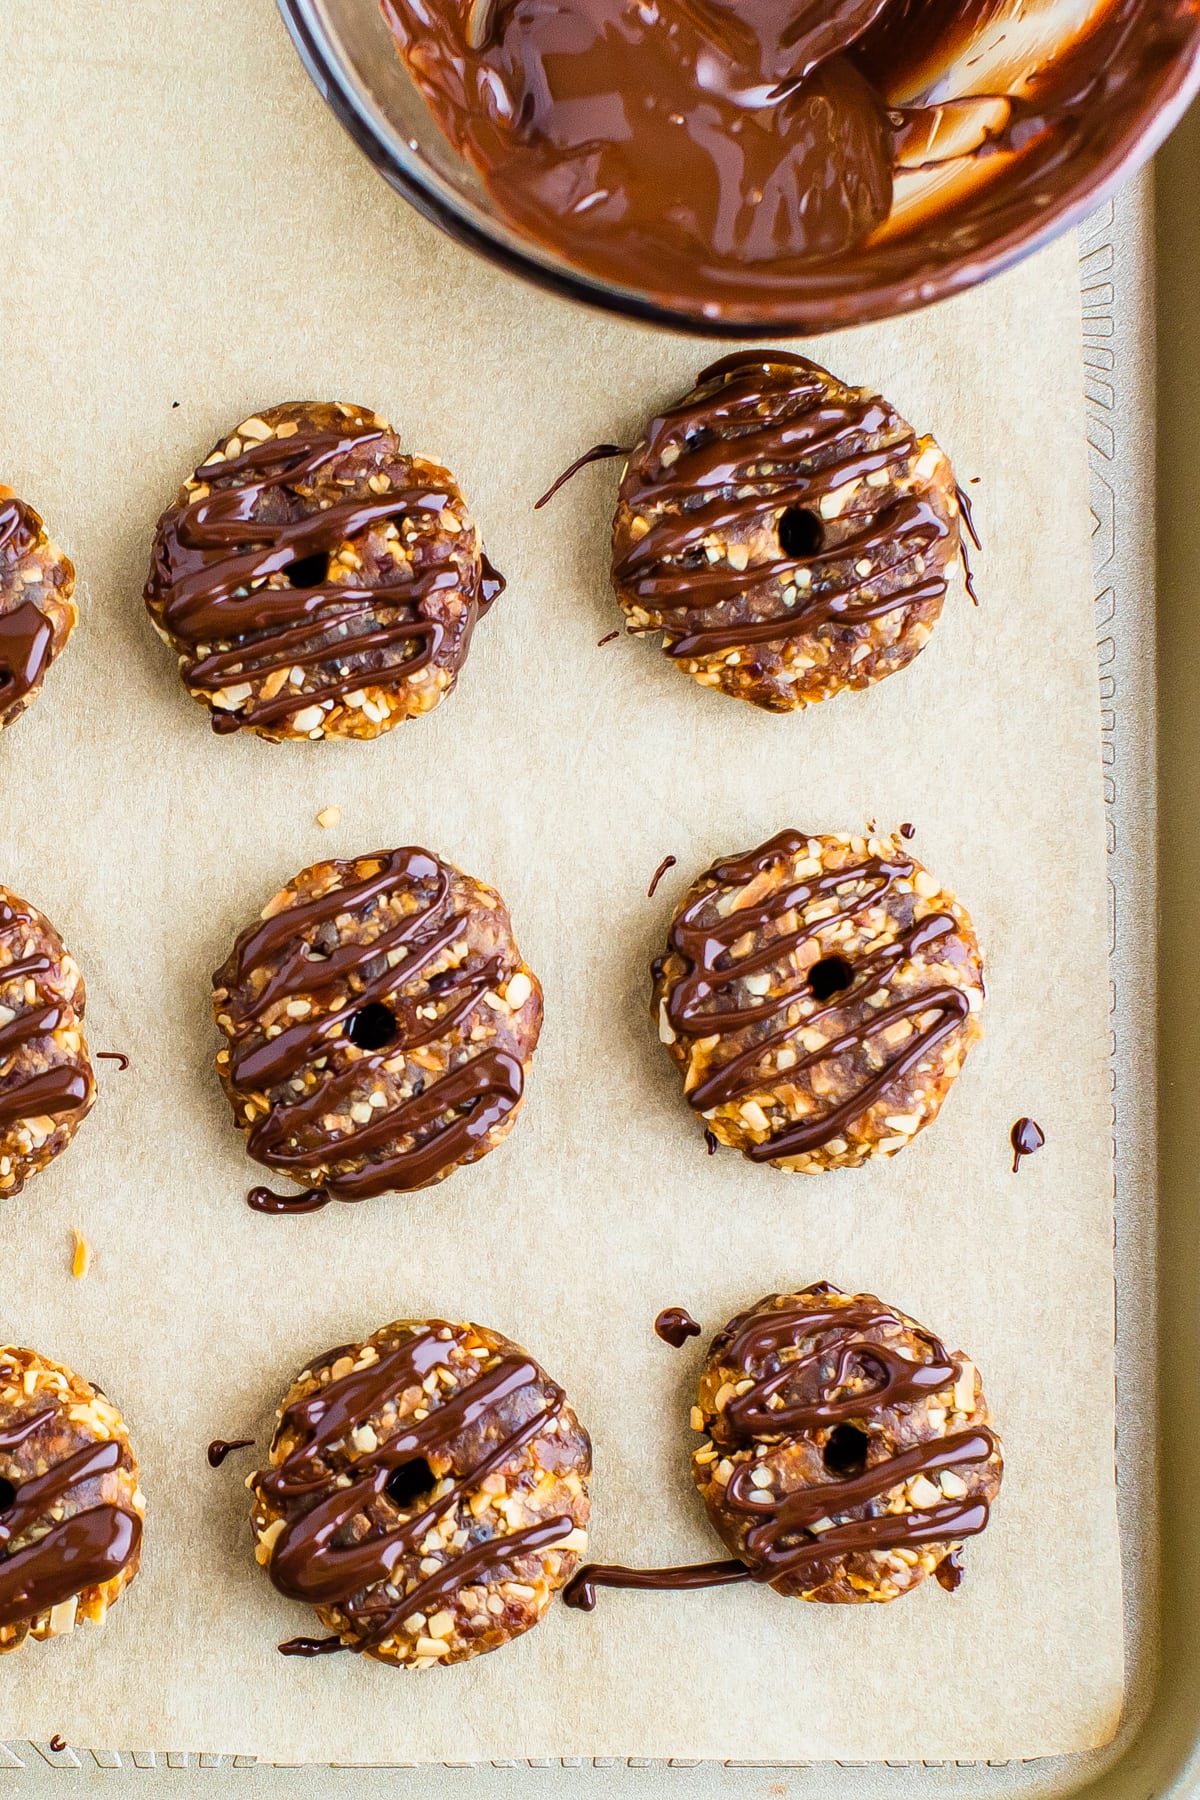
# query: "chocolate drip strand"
86 1550
598 453
266 1200
580 1591
220 1448
310 1561
675 1325
307 1646
706 945
443 1121
949 1572
968 519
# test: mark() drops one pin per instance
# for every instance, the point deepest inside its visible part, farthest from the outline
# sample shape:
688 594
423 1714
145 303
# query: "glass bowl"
951 226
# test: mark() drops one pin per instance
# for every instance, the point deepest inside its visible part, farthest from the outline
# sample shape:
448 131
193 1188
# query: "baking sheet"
194 229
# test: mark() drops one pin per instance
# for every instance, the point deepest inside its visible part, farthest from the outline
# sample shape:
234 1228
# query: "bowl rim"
883 300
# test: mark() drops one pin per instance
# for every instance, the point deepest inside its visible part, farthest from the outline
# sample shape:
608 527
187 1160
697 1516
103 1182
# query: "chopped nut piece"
81 1257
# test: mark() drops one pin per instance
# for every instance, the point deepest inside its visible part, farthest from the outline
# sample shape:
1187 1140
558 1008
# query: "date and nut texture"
847 1454
70 1507
789 536
47 1085
427 1493
315 579
380 1025
37 611
820 995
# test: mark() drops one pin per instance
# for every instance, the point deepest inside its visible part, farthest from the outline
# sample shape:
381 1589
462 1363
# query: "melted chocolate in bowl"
754 163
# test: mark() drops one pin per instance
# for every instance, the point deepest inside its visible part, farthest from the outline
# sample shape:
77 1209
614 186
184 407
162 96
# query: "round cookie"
788 535
37 612
47 1084
380 1025
427 1493
70 1507
820 995
315 579
847 1454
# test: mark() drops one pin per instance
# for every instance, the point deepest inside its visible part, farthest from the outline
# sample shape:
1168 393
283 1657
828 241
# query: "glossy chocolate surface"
723 159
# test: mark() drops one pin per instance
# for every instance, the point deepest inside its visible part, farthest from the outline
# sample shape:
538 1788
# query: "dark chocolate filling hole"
8 1494
309 571
6 676
409 1482
830 976
801 532
845 1452
372 1027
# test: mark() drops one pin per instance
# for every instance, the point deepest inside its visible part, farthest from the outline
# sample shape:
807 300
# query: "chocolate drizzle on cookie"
215 557
757 450
87 1549
810 1396
26 632
55 1092
318 1556
580 1591
446 1117
699 1003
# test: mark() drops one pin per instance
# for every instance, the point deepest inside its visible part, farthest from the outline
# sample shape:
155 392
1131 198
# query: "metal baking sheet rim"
1116 277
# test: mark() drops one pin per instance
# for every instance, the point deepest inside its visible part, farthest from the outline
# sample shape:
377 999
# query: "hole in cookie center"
801 532
309 571
845 1451
406 1484
372 1026
830 976
6 676
8 1494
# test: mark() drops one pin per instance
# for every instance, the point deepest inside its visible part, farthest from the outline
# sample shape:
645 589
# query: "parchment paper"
184 222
